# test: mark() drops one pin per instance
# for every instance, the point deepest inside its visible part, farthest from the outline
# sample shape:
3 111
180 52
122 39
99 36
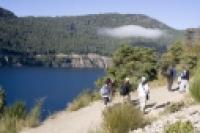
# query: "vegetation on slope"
6 14
122 118
29 36
195 86
84 99
180 127
15 117
132 62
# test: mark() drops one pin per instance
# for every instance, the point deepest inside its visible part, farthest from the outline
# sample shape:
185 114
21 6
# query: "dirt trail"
90 117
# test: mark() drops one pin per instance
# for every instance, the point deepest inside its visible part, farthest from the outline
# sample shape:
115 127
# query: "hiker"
106 91
143 93
184 86
171 74
125 90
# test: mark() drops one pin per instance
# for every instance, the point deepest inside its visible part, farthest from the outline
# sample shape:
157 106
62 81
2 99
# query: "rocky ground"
191 113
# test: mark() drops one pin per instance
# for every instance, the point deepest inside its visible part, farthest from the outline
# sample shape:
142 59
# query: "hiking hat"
143 79
127 79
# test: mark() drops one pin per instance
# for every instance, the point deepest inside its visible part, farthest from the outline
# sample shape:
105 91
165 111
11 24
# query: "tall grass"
180 127
195 86
84 99
174 107
33 117
15 117
121 118
2 99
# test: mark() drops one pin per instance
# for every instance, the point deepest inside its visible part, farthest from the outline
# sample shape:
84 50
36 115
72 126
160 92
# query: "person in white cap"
143 93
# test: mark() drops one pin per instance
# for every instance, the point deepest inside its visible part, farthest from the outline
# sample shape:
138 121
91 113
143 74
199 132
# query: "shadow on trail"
150 105
162 105
174 89
135 102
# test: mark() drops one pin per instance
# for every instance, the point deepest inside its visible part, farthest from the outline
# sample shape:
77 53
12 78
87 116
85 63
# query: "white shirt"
179 79
143 89
107 90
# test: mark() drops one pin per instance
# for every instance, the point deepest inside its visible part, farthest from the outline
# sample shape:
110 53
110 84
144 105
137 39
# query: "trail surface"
90 118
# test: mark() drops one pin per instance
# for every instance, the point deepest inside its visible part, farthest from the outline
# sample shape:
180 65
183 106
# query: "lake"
57 85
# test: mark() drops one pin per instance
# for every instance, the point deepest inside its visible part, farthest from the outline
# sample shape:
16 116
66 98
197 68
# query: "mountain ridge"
4 13
30 36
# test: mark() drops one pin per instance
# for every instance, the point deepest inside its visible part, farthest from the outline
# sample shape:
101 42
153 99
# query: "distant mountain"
76 34
6 14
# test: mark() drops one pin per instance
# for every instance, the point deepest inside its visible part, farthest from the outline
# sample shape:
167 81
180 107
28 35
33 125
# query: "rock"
194 112
187 114
90 60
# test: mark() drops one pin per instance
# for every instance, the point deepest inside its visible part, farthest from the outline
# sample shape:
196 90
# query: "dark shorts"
125 94
106 100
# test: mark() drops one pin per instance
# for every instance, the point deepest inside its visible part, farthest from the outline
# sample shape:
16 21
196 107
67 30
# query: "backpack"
123 90
185 75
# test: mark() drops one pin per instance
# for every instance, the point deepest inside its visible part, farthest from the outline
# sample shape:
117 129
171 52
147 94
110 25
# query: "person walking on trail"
125 90
105 91
184 86
171 74
143 93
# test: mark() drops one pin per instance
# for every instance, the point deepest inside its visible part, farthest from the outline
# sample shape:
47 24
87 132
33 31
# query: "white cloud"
127 31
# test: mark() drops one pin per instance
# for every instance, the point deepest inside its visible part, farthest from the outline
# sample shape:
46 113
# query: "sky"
179 14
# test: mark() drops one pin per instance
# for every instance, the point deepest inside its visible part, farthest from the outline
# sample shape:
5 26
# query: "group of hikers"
107 91
183 79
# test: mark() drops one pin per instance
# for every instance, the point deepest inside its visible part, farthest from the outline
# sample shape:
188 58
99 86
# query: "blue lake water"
58 86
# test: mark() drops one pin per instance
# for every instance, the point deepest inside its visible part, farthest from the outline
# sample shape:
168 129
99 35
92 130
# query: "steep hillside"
30 36
6 14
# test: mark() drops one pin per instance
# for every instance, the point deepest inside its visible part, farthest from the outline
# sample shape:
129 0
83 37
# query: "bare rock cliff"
84 61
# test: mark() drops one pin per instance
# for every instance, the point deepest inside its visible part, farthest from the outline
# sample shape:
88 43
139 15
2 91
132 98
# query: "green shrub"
2 99
12 119
195 86
8 124
132 62
180 127
174 107
17 110
15 117
33 118
121 118
84 99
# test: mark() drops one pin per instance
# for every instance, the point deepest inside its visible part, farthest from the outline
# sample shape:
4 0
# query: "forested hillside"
32 36
6 14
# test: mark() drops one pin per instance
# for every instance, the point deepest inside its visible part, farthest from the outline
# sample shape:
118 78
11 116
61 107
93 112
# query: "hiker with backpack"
143 93
125 90
184 86
105 91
